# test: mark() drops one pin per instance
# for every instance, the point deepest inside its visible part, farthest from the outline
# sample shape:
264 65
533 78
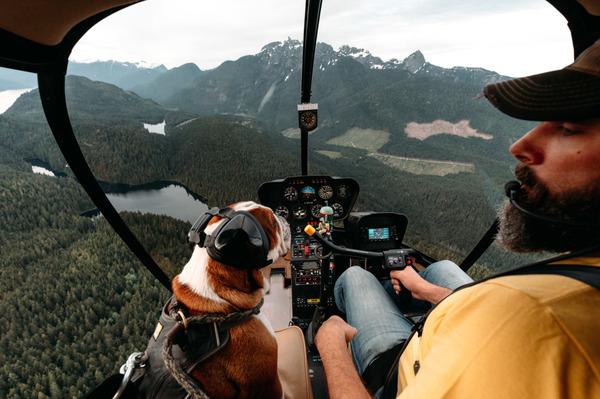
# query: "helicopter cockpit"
330 228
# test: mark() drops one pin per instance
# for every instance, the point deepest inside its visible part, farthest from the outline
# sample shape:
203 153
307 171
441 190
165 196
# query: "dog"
247 366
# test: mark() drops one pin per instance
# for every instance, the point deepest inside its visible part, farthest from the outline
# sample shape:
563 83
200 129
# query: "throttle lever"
319 316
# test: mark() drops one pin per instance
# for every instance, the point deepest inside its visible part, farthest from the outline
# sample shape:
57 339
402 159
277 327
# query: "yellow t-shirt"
532 336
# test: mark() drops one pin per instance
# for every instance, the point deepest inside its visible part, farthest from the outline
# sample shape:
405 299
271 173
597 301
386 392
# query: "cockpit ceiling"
48 21
591 6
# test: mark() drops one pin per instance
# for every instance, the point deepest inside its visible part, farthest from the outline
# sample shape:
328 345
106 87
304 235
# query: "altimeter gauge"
315 210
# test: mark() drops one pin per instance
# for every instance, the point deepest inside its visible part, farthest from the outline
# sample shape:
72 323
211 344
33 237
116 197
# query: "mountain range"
123 74
128 75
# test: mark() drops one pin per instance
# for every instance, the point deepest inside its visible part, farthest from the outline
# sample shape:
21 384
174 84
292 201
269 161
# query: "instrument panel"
300 199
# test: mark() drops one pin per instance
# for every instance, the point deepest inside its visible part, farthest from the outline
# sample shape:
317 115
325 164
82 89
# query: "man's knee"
447 274
352 279
354 272
444 266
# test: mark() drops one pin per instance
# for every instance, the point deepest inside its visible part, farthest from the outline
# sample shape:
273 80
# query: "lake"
160 198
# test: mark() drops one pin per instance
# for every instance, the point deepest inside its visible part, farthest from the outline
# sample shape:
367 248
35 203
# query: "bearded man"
513 336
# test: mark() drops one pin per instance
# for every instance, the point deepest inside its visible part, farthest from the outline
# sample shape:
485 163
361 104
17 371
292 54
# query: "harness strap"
191 386
191 338
586 274
375 374
183 334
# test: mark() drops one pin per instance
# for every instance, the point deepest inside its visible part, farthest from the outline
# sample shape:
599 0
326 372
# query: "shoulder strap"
584 273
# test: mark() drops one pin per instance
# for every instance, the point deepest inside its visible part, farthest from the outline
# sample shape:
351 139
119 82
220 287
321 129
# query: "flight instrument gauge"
325 192
308 120
315 210
300 213
308 193
290 194
307 116
338 210
282 211
343 191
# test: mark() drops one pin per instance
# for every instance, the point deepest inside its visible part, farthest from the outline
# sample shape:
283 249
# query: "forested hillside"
222 161
226 158
75 300
351 93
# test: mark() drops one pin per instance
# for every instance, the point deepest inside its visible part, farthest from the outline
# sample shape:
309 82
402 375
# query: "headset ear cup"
241 242
196 233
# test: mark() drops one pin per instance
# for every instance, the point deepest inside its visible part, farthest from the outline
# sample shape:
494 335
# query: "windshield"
182 106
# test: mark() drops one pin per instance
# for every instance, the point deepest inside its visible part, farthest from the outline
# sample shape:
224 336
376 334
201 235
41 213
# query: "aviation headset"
239 240
512 190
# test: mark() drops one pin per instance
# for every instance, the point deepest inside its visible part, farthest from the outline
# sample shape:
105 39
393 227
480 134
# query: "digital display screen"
379 234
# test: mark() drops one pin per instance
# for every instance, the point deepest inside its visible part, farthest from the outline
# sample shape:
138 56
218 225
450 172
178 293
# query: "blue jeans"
371 307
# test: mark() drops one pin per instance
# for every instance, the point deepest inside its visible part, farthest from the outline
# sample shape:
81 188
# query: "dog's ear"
238 241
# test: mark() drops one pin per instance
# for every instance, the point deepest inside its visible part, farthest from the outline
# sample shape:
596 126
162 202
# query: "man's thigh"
370 309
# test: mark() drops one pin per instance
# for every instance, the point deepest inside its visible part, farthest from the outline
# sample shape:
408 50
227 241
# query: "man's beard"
521 233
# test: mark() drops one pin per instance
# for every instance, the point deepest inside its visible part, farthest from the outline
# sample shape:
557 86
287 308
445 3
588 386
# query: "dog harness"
178 345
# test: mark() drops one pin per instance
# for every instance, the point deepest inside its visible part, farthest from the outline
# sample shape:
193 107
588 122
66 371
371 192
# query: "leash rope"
192 386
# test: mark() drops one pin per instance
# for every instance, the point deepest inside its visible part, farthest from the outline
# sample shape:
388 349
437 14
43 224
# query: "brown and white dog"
247 366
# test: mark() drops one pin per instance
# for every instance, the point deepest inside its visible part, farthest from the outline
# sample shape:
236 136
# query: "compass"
307 116
308 120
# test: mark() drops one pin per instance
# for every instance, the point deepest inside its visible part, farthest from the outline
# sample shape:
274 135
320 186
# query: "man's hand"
332 340
334 331
417 285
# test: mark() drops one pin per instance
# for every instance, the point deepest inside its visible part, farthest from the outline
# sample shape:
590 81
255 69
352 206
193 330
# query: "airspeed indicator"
290 194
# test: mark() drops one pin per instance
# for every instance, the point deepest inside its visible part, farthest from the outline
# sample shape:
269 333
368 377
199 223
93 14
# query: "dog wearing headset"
223 276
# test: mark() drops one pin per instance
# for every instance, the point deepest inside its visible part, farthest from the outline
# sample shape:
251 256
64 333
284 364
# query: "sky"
511 37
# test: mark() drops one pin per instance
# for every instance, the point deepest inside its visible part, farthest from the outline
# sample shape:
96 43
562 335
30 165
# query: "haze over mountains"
128 75
353 87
